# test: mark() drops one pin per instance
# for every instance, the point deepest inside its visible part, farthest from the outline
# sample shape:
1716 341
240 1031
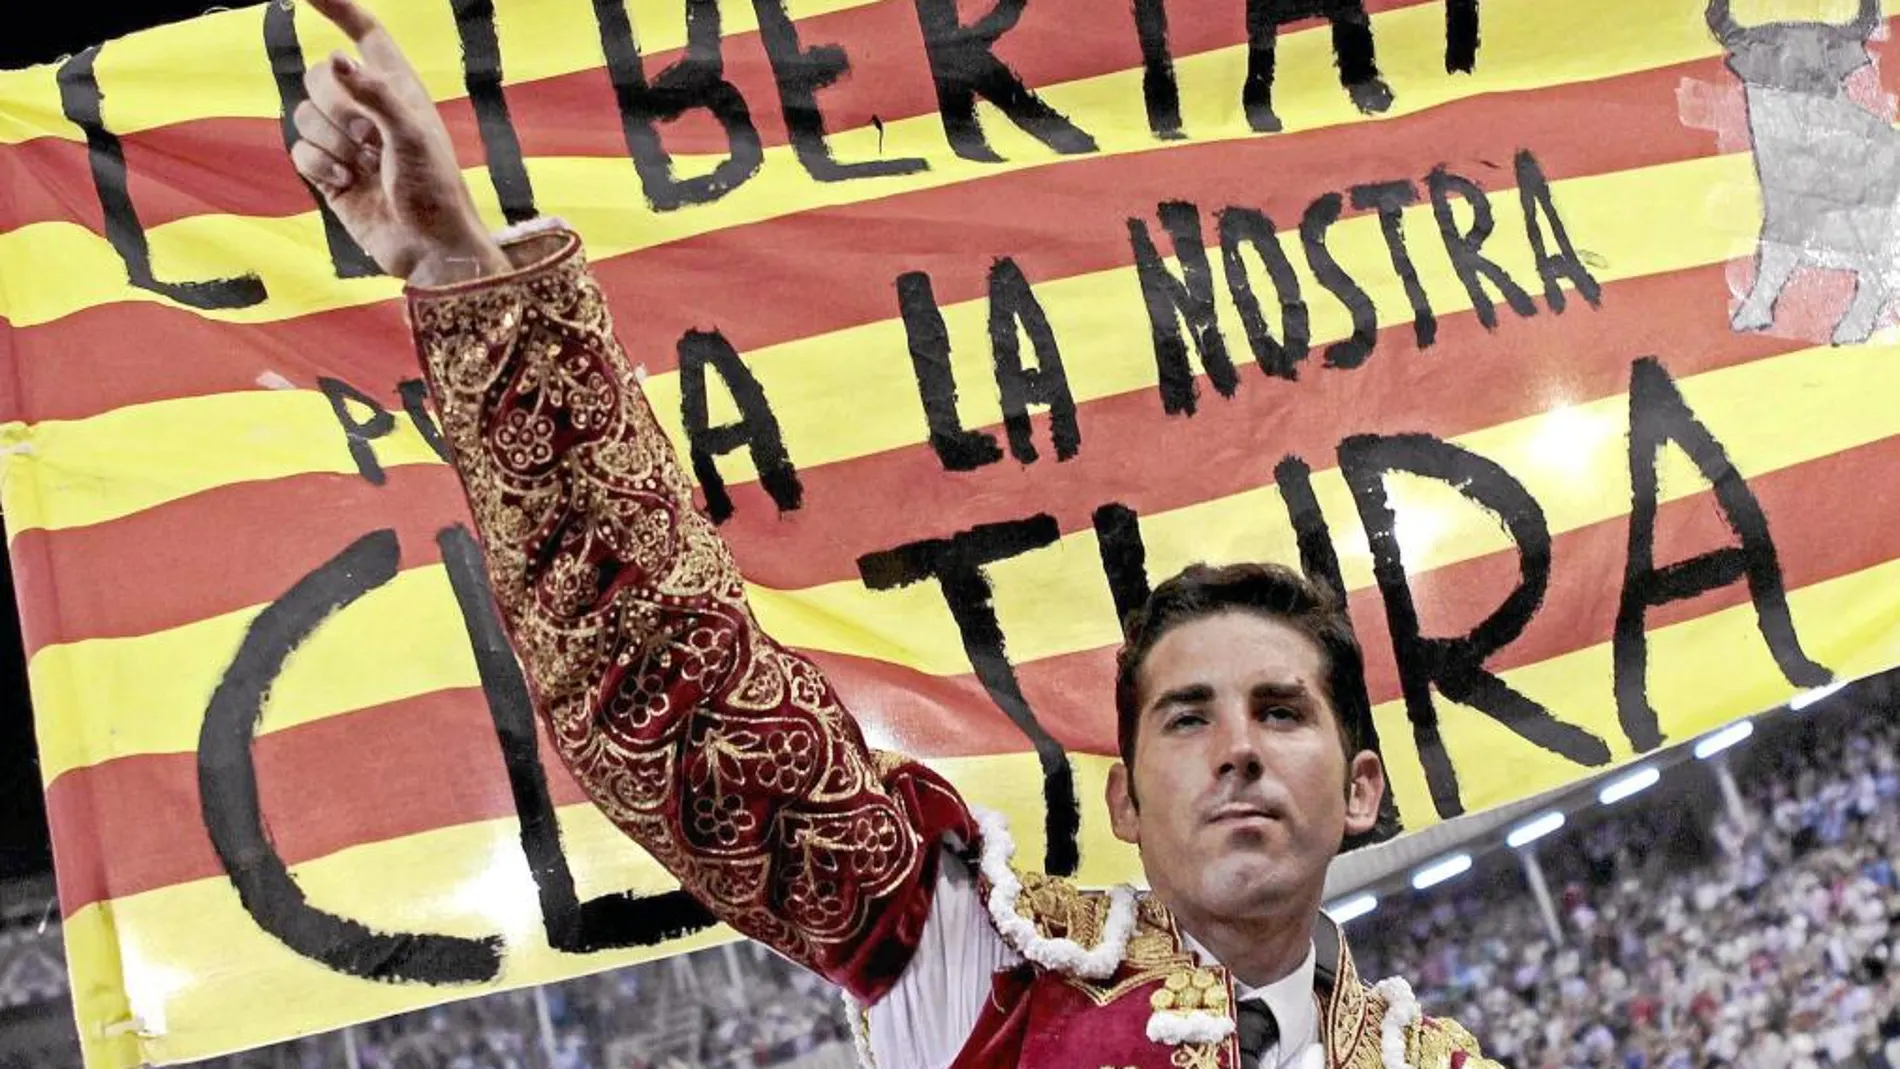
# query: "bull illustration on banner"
1829 167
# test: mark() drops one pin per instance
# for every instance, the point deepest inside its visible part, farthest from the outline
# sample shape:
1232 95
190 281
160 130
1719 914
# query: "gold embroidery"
1430 1044
728 757
1060 910
1197 1056
1351 1018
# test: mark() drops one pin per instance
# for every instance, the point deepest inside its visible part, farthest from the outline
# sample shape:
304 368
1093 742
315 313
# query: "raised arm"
727 756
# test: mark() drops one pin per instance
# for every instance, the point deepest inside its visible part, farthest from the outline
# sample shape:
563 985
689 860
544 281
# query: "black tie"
1258 1031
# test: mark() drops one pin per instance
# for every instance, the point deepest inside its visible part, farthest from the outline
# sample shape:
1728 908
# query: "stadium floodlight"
1715 742
1809 697
1439 871
1532 830
1353 908
1623 786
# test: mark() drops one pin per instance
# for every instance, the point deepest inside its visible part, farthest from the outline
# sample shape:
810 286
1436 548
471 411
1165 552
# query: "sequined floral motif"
727 756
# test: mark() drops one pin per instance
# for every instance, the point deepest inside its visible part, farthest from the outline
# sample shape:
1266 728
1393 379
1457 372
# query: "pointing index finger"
371 39
348 16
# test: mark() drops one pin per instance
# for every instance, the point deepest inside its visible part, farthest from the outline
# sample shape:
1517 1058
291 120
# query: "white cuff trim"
527 228
1063 955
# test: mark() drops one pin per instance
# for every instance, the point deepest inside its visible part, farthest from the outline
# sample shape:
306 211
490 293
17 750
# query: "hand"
370 139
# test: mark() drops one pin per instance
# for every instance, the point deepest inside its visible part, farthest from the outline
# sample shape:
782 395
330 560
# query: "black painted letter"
1465 247
481 73
1013 304
234 816
1353 51
957 563
1320 563
1391 199
1534 190
359 430
1171 298
696 81
1244 227
1659 416
756 429
1349 352
957 449
800 73
83 103
415 402
1124 558
1456 665
1159 93
1461 36
964 66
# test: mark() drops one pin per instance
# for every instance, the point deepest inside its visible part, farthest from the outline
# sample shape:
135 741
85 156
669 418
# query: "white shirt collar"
1295 1008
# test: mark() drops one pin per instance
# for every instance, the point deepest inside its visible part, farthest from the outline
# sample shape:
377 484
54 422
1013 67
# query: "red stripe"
824 270
103 817
238 166
1131 453
304 521
431 762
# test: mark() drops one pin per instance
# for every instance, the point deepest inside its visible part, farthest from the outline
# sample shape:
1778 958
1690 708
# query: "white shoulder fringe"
1401 1012
1063 955
1175 1028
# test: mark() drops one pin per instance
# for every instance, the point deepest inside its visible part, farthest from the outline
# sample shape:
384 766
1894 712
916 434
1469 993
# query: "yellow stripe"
168 450
187 953
595 194
1631 220
230 75
208 981
399 642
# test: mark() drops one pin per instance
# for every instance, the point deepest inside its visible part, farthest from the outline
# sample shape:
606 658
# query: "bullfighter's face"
1241 790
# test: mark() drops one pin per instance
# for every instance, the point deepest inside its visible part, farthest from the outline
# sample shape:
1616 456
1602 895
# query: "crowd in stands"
1691 940
690 1013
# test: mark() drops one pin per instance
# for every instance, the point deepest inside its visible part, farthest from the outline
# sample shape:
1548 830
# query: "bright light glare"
1532 830
1640 780
1715 743
1351 908
1570 437
1439 871
1809 697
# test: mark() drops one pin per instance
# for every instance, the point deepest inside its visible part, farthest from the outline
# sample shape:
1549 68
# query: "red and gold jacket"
729 757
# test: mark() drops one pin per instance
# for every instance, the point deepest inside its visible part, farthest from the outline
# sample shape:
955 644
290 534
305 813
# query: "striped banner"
974 317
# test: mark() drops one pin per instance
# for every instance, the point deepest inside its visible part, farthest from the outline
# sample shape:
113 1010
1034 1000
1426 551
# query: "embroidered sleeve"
725 755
